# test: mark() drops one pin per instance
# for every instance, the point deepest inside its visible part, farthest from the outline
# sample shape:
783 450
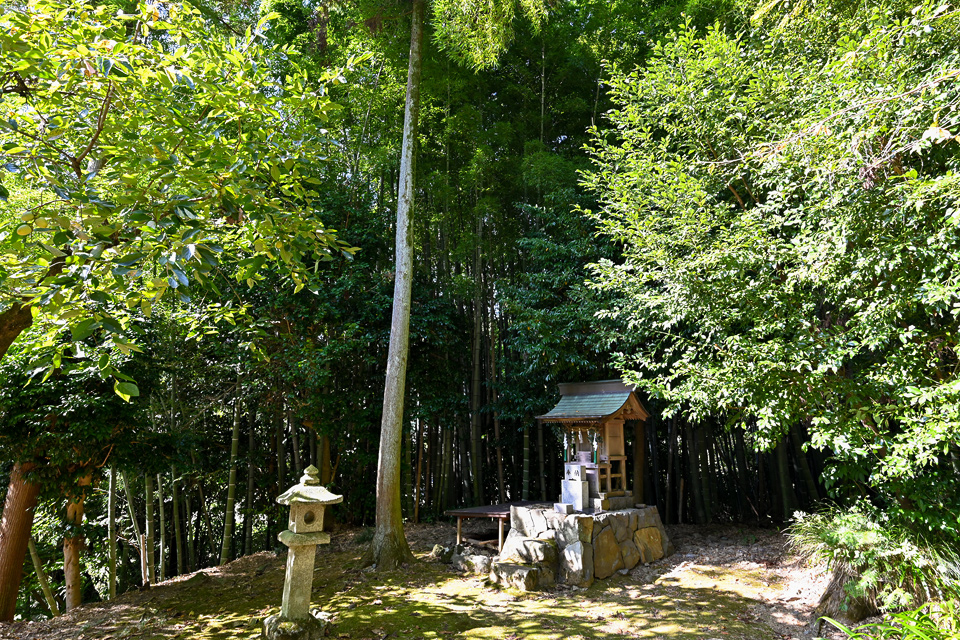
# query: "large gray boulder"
521 576
530 550
478 564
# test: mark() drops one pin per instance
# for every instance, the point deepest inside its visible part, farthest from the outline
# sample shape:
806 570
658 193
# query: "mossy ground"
675 600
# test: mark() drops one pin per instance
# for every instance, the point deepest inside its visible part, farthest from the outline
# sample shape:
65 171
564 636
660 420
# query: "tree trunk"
416 489
177 532
151 531
73 545
407 469
326 475
131 510
112 535
476 455
163 529
389 548
496 414
13 322
704 471
248 504
15 529
228 513
653 445
447 468
693 469
743 471
189 531
639 461
42 579
671 471
804 464
787 499
525 491
541 459
463 448
295 444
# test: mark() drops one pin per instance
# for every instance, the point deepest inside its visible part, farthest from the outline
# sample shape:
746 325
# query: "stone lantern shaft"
307 501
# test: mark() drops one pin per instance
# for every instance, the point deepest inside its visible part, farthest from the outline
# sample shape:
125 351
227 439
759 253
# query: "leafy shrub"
929 622
889 566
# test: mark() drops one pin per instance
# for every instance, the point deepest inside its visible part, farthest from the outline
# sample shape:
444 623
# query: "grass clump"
886 564
929 622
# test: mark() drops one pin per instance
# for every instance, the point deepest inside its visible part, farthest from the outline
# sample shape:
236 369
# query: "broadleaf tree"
786 204
145 156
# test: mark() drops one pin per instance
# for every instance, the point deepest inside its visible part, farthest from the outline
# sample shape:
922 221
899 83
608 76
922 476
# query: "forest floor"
723 582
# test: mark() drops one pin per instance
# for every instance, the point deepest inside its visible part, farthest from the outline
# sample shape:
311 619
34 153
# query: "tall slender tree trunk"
671 469
541 461
447 468
389 548
407 469
248 505
163 529
705 473
653 444
639 460
190 531
496 414
177 533
295 442
476 443
742 470
42 579
151 530
73 544
525 491
132 511
15 529
112 535
693 468
788 498
416 489
804 463
463 448
228 513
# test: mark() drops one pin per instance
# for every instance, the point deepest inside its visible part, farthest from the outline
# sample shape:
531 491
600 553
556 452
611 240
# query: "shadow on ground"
676 599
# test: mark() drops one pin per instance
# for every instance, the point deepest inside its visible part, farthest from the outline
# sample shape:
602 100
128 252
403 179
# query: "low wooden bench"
498 512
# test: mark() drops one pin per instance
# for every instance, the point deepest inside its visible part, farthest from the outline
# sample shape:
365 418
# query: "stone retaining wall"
577 548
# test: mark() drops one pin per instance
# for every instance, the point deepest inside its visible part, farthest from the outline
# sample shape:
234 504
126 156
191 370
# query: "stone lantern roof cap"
309 490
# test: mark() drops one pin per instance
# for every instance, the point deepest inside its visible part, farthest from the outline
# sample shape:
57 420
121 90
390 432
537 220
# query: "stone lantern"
307 501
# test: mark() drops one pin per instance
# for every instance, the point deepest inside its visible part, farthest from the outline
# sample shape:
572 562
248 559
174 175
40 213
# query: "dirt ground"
723 582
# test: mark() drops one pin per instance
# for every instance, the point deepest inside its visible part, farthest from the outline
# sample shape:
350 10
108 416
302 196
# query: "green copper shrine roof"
589 401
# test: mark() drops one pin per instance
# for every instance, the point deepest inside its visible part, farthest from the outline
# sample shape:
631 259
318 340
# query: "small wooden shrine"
592 415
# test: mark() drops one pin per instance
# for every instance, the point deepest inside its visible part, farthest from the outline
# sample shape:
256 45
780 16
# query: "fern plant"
889 567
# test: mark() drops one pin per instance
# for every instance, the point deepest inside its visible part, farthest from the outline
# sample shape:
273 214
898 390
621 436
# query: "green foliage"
159 157
785 200
476 32
889 565
930 622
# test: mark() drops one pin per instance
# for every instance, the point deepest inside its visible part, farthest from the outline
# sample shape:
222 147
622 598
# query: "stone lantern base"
313 627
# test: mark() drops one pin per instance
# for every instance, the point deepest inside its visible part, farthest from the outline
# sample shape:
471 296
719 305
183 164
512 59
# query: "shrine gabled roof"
593 401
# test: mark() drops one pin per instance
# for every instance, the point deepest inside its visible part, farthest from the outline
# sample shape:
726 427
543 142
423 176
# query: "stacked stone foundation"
545 546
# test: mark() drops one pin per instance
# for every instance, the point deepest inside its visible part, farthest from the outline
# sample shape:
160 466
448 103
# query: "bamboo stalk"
111 535
42 578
